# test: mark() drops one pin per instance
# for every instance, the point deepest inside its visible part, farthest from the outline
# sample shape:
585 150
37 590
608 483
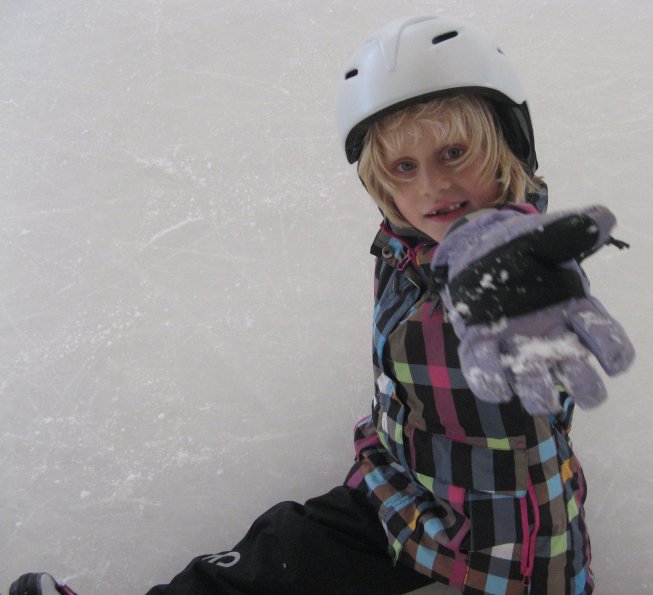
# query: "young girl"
485 496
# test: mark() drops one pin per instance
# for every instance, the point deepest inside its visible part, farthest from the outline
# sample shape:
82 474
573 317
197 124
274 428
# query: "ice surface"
185 295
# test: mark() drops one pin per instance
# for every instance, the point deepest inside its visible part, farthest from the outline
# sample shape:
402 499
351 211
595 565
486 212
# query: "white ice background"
185 284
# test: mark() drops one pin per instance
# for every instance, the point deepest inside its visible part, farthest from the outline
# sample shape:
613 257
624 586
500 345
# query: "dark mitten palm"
521 306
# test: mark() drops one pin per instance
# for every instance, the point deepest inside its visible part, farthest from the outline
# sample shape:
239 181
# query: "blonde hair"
462 118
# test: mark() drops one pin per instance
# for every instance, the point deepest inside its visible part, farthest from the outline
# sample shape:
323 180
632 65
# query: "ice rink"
185 279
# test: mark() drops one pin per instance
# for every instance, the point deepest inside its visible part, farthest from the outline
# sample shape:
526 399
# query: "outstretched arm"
522 309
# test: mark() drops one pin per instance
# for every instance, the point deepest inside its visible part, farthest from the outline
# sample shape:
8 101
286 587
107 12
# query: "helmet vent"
444 37
351 73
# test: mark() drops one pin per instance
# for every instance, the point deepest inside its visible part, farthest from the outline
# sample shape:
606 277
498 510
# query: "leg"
332 544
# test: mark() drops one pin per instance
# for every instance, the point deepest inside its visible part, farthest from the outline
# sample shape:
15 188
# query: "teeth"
447 209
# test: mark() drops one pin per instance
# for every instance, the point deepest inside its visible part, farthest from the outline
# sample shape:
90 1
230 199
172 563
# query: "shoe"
38 583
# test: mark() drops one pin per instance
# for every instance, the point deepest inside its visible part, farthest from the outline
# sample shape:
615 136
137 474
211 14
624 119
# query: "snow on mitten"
521 306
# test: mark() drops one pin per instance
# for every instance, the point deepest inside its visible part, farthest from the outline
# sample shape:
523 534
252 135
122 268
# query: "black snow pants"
332 545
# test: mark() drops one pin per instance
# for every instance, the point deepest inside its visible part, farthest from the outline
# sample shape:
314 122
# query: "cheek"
487 192
402 206
482 189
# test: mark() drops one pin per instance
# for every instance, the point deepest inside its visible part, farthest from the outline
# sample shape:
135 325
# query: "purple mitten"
521 306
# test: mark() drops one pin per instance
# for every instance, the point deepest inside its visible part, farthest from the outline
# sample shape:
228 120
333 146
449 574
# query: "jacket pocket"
484 484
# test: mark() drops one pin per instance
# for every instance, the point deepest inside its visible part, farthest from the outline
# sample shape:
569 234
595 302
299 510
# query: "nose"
434 178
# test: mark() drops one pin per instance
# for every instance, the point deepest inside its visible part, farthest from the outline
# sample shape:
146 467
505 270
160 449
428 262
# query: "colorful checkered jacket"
483 497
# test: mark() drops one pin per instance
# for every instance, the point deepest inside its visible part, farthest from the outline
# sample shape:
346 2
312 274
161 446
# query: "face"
430 192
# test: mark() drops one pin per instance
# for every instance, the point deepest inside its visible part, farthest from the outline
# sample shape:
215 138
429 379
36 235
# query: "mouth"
448 210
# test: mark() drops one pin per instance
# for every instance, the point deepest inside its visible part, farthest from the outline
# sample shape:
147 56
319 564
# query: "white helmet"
415 59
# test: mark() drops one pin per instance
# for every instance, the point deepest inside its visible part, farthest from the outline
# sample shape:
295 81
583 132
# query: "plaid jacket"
483 497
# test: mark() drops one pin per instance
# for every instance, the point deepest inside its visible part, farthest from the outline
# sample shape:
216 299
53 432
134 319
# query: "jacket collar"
406 237
405 249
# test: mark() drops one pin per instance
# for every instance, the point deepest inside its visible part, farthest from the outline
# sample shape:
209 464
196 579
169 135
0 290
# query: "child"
485 496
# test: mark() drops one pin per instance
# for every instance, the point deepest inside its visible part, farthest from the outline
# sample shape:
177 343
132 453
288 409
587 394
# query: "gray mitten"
521 306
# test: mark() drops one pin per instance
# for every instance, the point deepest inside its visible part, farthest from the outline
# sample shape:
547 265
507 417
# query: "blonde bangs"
462 119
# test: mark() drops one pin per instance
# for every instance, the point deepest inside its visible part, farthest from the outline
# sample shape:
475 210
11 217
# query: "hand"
522 310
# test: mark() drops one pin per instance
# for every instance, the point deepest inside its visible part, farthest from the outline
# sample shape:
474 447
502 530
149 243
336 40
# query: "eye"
453 153
404 166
